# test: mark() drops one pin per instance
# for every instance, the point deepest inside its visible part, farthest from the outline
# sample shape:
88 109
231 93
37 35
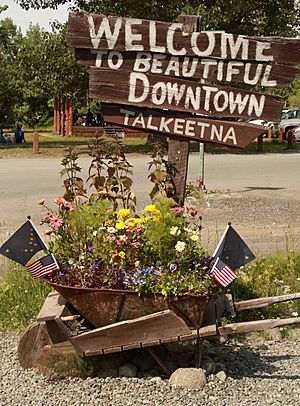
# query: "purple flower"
90 250
173 267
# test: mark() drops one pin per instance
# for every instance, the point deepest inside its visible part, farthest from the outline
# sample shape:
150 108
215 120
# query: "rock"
109 372
191 378
274 334
128 370
221 376
157 380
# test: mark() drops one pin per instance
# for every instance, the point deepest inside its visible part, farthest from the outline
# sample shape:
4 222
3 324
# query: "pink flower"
118 243
68 207
136 244
56 221
46 219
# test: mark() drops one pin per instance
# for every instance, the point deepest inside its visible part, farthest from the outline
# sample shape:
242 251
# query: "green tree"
10 87
256 17
48 68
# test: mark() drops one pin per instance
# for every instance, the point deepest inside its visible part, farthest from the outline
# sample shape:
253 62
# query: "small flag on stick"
23 245
222 273
233 250
43 266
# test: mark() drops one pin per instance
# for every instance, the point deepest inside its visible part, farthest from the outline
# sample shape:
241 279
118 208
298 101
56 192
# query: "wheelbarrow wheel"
32 344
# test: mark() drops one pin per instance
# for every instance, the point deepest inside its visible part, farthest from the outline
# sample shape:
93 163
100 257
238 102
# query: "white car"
267 124
289 120
296 132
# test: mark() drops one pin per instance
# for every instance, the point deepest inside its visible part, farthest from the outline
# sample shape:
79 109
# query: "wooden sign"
192 127
155 91
131 34
250 73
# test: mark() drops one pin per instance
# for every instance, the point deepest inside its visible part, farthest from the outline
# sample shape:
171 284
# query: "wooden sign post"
178 152
171 79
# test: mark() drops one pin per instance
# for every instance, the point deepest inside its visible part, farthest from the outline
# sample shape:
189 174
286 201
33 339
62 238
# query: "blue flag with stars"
23 244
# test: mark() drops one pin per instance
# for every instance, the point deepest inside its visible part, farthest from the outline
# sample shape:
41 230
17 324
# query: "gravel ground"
257 374
268 222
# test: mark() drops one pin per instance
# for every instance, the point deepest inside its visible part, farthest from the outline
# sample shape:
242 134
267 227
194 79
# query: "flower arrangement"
100 240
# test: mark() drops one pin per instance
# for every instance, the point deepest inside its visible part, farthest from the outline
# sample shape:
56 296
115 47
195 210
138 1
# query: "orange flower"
60 200
41 202
48 232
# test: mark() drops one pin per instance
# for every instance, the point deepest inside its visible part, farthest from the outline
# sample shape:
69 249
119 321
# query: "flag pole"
40 237
221 240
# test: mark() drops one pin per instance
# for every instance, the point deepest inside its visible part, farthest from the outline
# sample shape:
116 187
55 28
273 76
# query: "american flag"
222 273
43 266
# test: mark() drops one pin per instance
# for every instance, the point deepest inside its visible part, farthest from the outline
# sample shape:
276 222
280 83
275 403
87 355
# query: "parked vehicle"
289 120
266 124
296 133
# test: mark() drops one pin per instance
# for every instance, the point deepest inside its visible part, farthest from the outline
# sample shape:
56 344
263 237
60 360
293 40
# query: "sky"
23 18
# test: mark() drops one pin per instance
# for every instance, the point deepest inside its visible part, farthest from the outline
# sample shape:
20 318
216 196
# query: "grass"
21 298
272 275
53 145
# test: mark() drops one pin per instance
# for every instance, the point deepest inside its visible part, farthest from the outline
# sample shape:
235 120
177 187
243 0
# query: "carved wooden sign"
155 91
158 65
250 73
191 127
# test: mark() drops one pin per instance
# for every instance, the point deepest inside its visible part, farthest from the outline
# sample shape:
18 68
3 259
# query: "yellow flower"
151 208
122 254
123 213
120 225
194 237
129 223
174 230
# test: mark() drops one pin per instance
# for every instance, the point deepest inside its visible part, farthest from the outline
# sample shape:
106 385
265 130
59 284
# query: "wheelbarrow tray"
101 307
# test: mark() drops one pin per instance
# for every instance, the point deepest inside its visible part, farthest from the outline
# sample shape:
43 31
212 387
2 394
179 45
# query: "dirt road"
259 194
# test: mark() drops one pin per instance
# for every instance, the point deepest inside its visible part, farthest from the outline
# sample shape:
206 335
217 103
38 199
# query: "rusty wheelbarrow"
102 321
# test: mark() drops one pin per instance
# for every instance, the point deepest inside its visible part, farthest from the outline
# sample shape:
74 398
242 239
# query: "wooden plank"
249 326
121 34
178 154
152 343
148 328
155 91
214 70
53 306
264 301
184 126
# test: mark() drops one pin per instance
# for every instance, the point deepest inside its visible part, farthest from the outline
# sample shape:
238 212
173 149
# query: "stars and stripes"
222 273
43 267
23 245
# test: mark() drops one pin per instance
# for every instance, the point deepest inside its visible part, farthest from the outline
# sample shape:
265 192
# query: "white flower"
295 314
111 230
180 246
95 233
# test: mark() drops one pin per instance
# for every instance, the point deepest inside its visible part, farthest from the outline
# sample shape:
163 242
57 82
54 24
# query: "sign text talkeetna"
192 127
157 65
